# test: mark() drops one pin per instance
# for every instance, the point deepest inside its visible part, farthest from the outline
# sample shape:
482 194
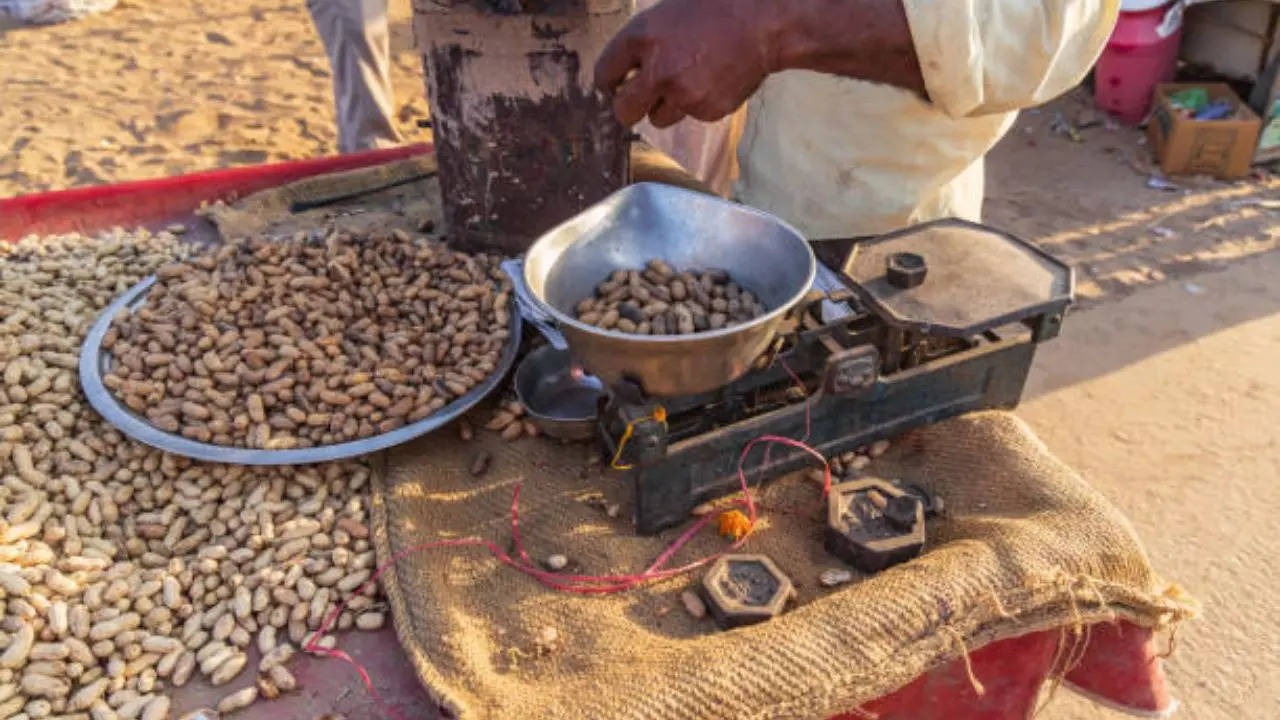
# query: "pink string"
581 584
808 403
311 645
808 406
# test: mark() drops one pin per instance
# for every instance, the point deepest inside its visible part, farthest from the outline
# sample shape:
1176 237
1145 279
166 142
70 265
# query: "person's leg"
358 43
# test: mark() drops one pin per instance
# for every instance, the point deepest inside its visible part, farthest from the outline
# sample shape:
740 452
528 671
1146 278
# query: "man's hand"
704 58
699 58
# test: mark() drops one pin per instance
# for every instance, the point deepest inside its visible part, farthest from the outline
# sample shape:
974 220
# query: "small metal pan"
558 396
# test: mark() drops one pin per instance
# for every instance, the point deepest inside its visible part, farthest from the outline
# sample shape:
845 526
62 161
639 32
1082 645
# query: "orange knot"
734 524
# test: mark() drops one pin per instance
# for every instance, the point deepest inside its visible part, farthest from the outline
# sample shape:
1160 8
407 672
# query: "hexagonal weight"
745 589
905 270
871 524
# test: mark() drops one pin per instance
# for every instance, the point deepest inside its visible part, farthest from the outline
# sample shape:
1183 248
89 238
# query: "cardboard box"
1184 145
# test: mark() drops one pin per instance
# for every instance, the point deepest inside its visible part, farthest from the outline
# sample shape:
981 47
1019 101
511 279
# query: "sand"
1087 203
1163 388
1167 401
161 88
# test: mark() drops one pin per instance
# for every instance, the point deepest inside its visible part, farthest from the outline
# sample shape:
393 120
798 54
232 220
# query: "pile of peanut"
659 301
125 571
314 340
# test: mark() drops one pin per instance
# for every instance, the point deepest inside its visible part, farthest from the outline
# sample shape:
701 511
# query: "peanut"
283 373
659 301
113 555
370 621
157 709
15 656
238 700
282 678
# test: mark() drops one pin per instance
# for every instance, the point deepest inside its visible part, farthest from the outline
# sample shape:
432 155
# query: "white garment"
358 44
706 150
839 157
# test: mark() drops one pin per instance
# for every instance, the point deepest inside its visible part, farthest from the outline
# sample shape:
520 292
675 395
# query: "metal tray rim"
92 359
1057 304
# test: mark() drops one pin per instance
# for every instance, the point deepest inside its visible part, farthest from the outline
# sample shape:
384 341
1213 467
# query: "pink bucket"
1142 52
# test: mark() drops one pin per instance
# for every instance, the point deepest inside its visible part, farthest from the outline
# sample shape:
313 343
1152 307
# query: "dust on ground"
1163 390
162 88
1088 203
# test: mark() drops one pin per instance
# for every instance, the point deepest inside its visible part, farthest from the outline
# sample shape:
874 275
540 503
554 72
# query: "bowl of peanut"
270 351
675 290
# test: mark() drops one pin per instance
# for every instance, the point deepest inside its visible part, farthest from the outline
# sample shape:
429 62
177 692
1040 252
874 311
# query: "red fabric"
144 201
1011 672
1123 666
1120 665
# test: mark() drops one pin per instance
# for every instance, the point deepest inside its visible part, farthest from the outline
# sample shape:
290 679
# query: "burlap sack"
393 196
1025 545
398 195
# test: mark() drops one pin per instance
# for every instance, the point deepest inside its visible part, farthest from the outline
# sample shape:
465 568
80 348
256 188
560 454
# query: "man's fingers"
632 101
724 101
620 56
665 113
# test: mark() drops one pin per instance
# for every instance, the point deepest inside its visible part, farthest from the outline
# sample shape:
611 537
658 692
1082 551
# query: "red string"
581 584
808 405
311 645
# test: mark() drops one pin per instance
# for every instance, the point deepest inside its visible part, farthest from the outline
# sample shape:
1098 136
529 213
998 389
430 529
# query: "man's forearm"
864 39
704 58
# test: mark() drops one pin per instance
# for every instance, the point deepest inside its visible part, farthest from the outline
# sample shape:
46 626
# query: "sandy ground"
1167 402
160 88
1163 389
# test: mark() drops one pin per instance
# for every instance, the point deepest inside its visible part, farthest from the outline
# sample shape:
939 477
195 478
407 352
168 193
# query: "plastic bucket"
1142 52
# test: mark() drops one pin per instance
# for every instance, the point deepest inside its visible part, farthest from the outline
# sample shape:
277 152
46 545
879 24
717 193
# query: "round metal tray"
95 362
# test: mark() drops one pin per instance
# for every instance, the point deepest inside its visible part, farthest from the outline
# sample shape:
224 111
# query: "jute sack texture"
1025 545
395 195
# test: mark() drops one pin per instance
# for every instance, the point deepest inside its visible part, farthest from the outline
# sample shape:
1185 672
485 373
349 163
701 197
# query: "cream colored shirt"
839 157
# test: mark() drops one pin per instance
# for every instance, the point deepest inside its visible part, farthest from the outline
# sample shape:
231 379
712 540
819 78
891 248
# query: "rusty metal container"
523 141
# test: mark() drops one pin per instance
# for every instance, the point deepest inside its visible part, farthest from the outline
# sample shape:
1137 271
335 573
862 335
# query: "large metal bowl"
95 362
688 230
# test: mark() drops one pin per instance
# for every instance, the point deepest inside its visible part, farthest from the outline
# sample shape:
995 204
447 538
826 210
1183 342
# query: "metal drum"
523 140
